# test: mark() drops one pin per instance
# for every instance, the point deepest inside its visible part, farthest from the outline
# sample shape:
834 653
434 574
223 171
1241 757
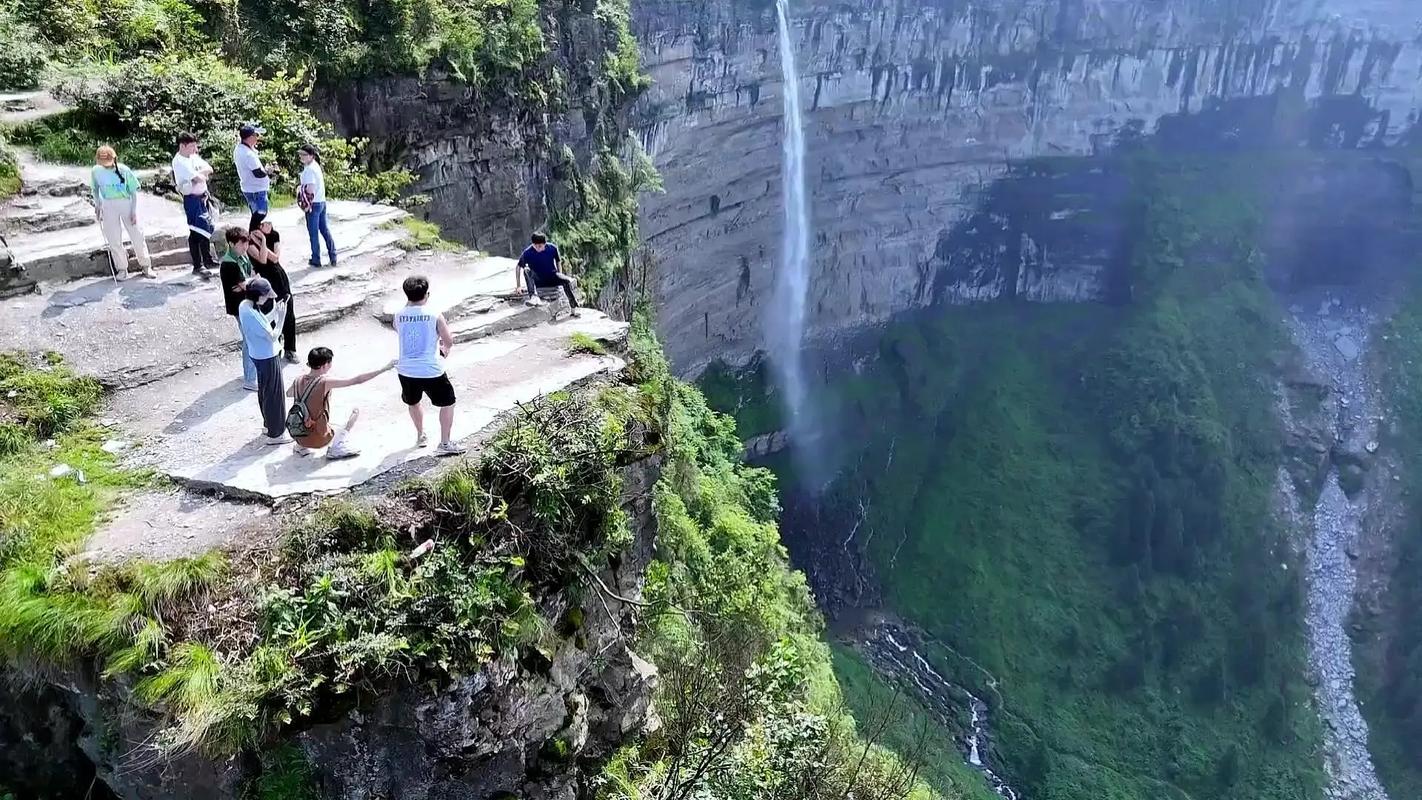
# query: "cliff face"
491 159
532 724
918 111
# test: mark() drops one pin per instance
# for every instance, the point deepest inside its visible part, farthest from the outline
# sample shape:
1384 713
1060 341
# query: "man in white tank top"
424 343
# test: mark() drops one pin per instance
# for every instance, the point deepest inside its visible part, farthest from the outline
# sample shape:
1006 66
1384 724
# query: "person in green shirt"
115 191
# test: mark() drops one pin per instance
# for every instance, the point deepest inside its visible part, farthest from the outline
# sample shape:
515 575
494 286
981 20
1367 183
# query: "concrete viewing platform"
169 352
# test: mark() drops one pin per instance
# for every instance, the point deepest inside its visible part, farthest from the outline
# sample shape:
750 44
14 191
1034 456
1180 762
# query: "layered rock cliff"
918 109
494 159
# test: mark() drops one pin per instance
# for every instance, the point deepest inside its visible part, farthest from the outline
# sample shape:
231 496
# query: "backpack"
298 417
305 196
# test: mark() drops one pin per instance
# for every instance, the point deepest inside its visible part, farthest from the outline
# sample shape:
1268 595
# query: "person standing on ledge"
234 273
190 173
425 342
264 250
541 267
251 175
311 196
260 333
115 189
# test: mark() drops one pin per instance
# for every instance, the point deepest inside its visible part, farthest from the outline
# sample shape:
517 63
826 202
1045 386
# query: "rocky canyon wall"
494 158
919 108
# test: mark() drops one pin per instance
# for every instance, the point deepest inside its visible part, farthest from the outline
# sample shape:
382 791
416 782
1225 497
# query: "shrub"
9 170
22 54
149 101
110 29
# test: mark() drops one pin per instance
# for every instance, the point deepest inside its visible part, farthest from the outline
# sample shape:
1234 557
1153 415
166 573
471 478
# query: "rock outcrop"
917 109
531 724
494 163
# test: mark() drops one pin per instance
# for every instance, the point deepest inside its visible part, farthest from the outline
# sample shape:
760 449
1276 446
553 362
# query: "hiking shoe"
282 439
149 273
337 454
251 387
121 275
422 440
449 449
203 272
575 313
314 264
533 301
291 358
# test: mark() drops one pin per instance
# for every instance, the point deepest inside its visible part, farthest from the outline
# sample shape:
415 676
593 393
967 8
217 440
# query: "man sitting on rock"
540 267
314 389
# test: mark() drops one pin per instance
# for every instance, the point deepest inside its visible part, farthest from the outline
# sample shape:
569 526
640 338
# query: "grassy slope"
1391 681
1003 447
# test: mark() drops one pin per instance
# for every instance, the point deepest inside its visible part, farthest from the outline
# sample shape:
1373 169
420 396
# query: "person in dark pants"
233 274
266 262
260 333
190 173
540 267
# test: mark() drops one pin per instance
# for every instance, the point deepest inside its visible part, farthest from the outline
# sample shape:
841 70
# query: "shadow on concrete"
226 398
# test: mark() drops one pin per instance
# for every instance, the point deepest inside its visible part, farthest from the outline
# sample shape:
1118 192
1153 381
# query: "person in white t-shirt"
190 173
255 181
311 196
425 341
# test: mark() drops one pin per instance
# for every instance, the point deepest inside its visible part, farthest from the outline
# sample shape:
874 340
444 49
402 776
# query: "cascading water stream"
786 324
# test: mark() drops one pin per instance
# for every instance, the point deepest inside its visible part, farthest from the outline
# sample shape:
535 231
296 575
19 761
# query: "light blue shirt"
419 343
256 332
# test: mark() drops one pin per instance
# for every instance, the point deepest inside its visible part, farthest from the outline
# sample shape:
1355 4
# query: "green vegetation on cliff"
1390 677
1078 497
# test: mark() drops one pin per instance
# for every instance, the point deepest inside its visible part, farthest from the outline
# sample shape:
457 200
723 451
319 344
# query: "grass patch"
423 235
580 343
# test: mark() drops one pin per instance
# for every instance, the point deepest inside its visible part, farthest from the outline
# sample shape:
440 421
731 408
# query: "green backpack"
298 417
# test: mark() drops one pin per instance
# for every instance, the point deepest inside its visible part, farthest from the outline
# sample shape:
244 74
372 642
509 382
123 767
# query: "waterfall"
786 324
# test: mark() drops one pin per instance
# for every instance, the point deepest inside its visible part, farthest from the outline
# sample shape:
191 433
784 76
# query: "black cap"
250 129
261 287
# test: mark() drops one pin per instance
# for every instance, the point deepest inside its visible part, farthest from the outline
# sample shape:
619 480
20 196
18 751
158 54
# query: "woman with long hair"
311 196
115 190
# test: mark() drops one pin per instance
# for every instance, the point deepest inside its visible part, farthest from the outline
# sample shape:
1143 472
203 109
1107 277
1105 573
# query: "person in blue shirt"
541 267
261 334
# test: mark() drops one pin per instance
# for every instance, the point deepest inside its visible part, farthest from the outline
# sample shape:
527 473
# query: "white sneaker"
448 449
149 273
338 453
533 301
282 439
422 440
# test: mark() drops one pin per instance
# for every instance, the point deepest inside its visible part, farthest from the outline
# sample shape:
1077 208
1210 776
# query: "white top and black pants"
420 367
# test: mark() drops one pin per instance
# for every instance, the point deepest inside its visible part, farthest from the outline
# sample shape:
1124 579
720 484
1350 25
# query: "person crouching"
312 392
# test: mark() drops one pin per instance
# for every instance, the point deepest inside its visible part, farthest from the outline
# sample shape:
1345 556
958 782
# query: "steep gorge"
917 110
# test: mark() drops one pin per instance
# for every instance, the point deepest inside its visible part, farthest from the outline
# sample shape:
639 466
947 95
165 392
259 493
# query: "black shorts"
439 390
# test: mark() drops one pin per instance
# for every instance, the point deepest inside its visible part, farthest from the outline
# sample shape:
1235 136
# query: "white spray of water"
786 325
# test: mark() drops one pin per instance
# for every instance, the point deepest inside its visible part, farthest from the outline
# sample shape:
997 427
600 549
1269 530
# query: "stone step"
469 288
35 213
21 107
77 252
